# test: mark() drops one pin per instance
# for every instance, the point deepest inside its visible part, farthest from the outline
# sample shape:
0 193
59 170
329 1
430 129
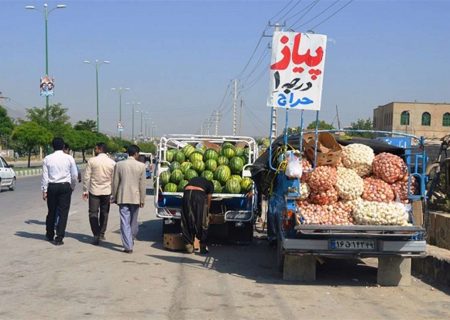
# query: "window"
426 119
404 118
446 120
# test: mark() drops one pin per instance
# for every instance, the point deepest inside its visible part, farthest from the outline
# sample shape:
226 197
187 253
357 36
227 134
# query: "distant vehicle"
7 175
120 156
149 161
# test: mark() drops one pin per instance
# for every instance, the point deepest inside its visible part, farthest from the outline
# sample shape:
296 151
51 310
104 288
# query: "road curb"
28 172
435 266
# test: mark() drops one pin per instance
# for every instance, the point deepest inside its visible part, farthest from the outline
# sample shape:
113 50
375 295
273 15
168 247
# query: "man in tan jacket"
128 191
97 188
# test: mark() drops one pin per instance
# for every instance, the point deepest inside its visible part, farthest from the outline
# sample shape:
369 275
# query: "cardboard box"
174 241
328 150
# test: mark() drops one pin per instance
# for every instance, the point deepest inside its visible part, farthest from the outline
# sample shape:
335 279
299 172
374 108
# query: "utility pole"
277 27
216 119
337 116
240 117
235 94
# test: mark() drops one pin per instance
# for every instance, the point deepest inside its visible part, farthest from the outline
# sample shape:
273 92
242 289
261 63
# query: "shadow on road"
32 221
78 236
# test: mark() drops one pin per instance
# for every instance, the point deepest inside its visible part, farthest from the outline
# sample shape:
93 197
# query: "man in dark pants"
194 215
59 176
97 187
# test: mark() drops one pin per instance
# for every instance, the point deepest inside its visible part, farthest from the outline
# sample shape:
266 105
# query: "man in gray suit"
128 191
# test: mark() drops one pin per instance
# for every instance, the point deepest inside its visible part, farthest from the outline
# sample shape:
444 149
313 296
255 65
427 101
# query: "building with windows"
431 120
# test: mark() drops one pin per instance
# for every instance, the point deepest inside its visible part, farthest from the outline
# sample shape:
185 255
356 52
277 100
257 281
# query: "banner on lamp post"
46 86
296 70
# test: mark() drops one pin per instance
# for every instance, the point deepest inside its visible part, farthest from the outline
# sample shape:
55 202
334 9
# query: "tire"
12 187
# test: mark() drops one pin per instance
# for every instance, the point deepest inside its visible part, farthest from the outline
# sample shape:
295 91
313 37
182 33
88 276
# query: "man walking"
59 176
97 188
194 215
128 192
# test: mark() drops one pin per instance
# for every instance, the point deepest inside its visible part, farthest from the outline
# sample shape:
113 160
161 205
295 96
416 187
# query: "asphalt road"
80 281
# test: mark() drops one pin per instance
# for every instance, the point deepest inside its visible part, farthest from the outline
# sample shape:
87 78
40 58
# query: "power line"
251 56
257 78
332 15
308 9
296 4
319 14
257 64
287 5
224 96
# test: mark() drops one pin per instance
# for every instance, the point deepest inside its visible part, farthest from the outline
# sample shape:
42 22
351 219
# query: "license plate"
353 244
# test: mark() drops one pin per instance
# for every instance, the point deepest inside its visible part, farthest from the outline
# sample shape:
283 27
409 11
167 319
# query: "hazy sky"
178 57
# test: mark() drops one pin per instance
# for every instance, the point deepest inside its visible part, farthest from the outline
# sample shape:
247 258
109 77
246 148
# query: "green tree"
88 125
6 126
31 135
322 125
147 147
362 124
58 120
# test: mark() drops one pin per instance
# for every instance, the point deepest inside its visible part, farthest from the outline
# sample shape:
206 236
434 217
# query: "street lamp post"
133 104
97 64
46 12
120 90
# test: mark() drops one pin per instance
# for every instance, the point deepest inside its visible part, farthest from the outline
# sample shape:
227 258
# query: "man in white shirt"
59 176
97 188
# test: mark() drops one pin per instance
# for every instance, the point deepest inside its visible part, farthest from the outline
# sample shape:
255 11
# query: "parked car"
120 156
7 175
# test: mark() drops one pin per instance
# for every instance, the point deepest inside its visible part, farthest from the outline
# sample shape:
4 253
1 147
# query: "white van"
7 175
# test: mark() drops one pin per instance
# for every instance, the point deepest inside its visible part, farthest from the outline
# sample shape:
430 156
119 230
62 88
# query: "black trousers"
194 216
58 201
98 213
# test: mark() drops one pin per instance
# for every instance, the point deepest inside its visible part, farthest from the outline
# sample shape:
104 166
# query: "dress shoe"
127 251
59 242
96 241
102 237
49 238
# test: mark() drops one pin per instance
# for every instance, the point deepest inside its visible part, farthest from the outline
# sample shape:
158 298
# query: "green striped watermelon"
169 155
174 165
246 184
233 186
190 173
164 177
228 145
196 156
210 154
211 165
239 151
188 150
179 157
237 177
228 152
170 187
198 166
208 175
183 183
176 176
217 186
185 166
236 164
222 173
222 160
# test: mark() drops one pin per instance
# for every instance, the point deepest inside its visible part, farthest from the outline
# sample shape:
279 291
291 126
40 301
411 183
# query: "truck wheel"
280 256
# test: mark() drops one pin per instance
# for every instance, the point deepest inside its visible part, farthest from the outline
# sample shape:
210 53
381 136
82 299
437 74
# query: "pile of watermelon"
223 168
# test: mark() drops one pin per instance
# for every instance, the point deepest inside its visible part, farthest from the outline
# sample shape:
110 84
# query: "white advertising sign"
296 70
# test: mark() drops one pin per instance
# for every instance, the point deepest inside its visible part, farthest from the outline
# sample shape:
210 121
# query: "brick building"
431 120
